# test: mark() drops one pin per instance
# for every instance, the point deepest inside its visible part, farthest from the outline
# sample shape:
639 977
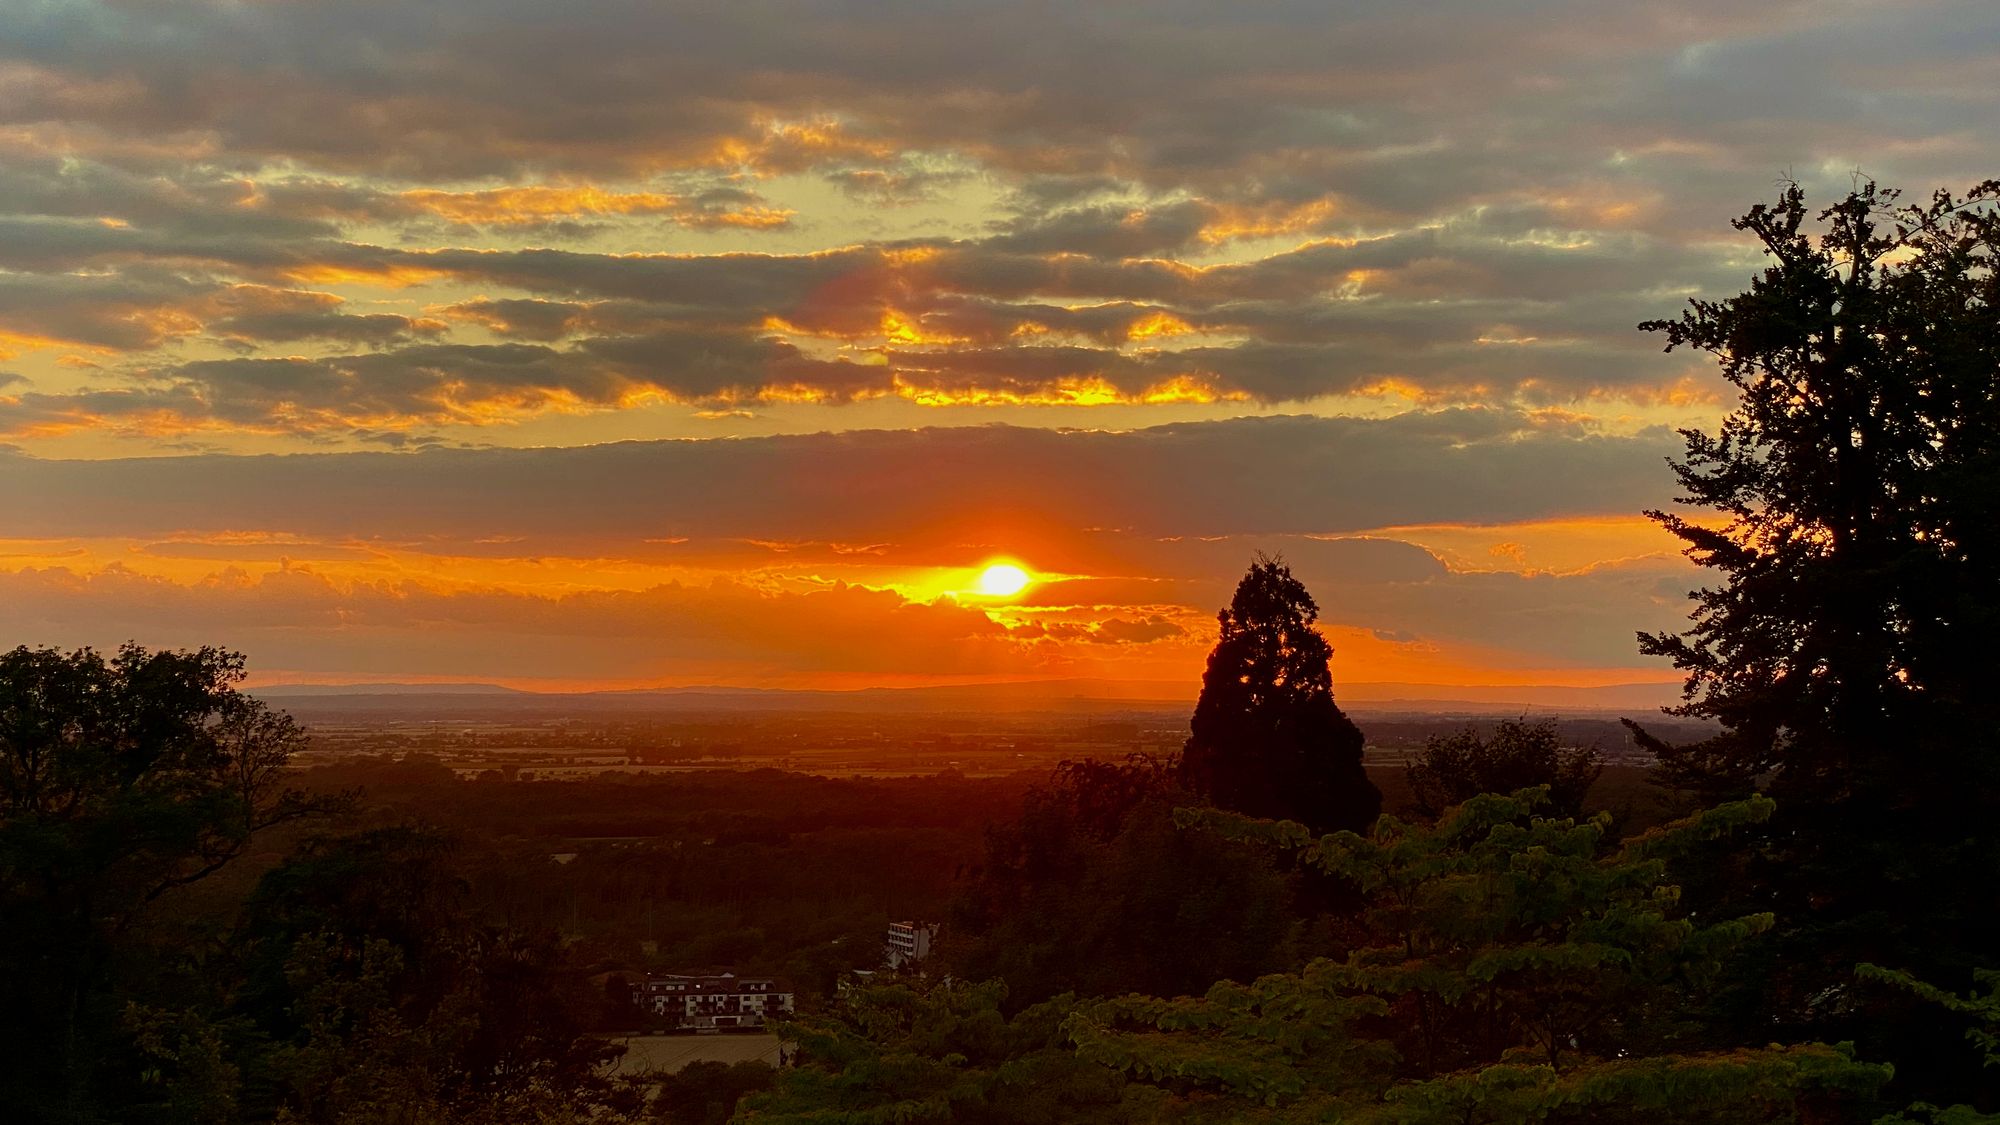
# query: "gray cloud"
1280 475
1161 93
1539 174
407 223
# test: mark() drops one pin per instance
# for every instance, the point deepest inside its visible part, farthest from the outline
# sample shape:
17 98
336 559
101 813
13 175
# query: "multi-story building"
704 1003
907 943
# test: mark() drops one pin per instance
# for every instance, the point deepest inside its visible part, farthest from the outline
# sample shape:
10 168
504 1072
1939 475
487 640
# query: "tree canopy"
121 780
1850 503
1510 969
1095 863
1518 754
1846 510
1982 1007
937 1054
1267 738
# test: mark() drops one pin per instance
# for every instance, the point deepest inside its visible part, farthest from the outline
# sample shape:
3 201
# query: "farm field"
669 1053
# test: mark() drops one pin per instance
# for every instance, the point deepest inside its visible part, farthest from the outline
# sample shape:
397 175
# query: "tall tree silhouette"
1852 524
1267 738
1855 497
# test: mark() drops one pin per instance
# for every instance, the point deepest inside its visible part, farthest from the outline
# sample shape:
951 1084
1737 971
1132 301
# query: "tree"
1983 1007
1094 863
371 982
1454 768
706 1093
1515 969
941 1054
1267 739
1854 495
121 780
1512 969
1849 509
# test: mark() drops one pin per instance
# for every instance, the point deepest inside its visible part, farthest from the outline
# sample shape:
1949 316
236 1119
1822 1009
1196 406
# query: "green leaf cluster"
1516 968
1983 1007
908 1054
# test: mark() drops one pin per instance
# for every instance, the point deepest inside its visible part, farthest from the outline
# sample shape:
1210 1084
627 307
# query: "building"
706 1003
907 943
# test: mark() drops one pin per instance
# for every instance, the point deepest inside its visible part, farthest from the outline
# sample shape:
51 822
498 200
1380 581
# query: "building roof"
687 984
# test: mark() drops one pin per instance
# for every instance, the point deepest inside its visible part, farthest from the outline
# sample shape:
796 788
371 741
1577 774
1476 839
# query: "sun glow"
1002 580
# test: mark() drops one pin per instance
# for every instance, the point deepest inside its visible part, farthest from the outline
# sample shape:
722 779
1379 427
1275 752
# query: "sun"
1002 580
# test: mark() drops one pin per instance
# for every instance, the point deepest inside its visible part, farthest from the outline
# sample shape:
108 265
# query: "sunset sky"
573 345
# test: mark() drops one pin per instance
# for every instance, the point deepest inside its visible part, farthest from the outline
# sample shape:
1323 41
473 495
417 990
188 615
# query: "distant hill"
1432 697
1081 695
276 691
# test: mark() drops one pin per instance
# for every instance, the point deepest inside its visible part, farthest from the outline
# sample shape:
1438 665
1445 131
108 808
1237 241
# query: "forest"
1796 923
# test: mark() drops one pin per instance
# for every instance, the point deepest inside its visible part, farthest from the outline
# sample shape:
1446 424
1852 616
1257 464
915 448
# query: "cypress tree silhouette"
1267 738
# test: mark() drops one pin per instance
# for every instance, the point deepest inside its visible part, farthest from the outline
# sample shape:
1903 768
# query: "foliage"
1519 754
359 986
1095 863
909 1056
766 872
189 1074
1267 739
365 993
1924 1113
1857 484
1519 969
1847 510
1280 1038
122 780
1984 1008
706 1093
389 993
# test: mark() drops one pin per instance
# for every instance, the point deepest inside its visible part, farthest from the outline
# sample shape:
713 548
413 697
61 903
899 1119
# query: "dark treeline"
1614 738
753 871
194 933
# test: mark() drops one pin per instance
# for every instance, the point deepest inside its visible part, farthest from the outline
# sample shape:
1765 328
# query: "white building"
907 943
709 1003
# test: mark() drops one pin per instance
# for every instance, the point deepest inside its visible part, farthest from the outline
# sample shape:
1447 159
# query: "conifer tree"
1848 513
1267 738
1849 504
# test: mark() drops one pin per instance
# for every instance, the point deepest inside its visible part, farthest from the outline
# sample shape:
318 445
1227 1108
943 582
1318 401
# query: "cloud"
338 612
1257 96
1278 475
1120 631
295 618
853 536
938 323
528 207
433 384
313 227
1332 202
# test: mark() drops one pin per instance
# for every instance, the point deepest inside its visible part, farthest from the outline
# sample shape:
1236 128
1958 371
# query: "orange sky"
666 345
408 581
